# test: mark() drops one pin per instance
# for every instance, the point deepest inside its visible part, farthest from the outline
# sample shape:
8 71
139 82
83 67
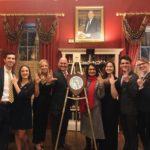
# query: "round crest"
76 83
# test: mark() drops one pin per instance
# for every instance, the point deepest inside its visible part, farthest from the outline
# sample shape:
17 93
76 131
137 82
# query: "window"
145 45
29 43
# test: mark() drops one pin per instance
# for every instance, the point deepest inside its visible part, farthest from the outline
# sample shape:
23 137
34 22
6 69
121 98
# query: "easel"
76 98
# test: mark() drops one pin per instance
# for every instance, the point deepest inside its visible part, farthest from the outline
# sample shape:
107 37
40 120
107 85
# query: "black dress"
110 113
21 108
40 113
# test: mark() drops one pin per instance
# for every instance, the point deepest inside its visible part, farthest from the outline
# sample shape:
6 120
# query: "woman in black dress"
41 103
21 109
110 109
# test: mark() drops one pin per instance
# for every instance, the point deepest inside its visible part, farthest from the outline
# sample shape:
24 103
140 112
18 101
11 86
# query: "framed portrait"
89 24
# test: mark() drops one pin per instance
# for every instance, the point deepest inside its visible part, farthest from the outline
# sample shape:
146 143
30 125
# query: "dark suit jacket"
93 27
144 96
1 81
127 95
58 92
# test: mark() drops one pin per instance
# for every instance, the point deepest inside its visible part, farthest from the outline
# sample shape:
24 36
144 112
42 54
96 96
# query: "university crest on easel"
76 83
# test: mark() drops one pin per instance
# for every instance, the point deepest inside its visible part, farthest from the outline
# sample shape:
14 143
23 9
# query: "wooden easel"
76 98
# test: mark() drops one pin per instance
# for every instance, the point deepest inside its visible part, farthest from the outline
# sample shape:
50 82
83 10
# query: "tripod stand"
76 98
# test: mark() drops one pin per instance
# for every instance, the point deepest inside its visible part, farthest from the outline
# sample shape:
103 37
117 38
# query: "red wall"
112 24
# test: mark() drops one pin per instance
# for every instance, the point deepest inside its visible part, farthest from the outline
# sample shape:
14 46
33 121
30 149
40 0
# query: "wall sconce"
70 40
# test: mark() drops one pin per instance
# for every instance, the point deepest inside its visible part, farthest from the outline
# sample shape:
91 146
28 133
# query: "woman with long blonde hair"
42 93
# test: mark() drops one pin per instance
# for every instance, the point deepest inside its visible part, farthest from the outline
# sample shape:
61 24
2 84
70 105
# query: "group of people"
47 90
103 103
109 98
124 100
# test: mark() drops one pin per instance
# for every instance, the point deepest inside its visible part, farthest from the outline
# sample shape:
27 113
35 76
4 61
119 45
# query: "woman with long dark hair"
21 109
110 108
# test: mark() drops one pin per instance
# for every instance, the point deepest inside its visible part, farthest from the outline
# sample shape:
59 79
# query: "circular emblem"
76 83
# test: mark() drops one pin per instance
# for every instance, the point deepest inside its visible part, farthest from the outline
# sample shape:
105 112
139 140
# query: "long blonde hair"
40 64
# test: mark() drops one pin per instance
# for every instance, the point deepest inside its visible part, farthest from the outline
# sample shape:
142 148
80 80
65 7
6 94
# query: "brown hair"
20 77
6 53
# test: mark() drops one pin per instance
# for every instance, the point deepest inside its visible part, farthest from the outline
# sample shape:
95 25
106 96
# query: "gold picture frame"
89 24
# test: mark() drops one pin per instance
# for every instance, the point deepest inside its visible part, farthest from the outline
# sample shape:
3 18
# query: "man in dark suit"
6 98
58 97
92 26
144 102
128 103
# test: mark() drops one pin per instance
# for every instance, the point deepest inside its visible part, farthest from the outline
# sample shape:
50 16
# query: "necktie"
88 24
11 94
65 74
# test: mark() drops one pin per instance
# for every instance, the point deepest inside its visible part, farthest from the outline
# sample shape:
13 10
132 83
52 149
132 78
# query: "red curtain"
132 44
12 46
49 50
133 51
13 27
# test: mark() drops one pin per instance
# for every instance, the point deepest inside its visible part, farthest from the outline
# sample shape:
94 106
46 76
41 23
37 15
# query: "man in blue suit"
5 98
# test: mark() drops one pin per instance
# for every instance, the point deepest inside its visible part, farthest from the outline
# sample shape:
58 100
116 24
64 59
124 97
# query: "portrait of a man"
92 25
89 24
